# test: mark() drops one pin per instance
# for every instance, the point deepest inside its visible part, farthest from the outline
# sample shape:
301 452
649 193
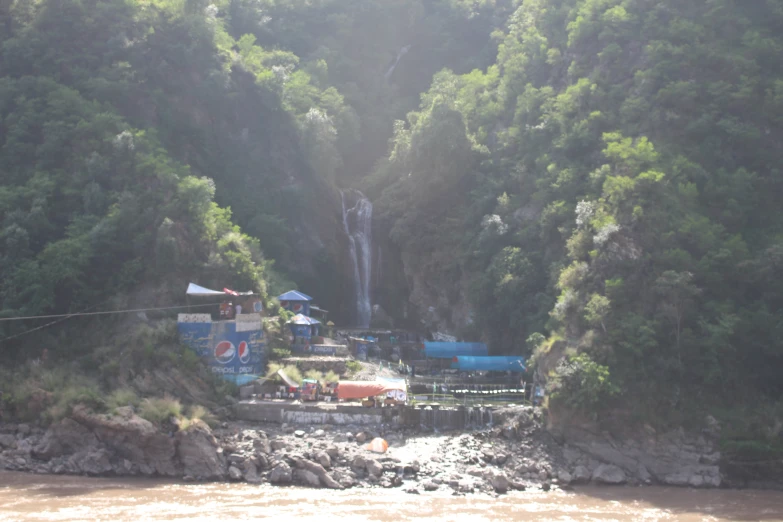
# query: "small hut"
303 329
296 302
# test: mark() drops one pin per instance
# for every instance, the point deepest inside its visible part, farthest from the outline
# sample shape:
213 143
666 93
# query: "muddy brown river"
26 497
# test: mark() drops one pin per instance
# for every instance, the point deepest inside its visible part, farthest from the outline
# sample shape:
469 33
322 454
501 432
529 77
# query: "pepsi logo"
225 352
297 307
244 352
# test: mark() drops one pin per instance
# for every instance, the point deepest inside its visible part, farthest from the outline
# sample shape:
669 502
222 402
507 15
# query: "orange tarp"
362 389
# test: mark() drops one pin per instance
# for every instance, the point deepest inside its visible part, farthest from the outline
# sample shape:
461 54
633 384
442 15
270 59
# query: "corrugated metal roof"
495 363
294 295
446 350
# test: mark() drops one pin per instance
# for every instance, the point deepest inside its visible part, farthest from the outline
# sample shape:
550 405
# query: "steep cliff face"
442 306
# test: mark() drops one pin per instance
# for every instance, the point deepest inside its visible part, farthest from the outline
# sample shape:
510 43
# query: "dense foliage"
596 180
612 182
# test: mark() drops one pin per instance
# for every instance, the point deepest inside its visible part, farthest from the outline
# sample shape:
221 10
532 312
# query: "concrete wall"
302 414
320 363
408 416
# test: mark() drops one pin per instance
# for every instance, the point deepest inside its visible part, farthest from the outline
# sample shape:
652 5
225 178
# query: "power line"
102 313
64 317
50 324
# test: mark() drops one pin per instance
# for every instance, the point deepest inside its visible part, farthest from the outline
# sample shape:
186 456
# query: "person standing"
239 309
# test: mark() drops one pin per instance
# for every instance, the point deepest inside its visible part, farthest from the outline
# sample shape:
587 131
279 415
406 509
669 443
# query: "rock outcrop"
199 453
517 454
130 437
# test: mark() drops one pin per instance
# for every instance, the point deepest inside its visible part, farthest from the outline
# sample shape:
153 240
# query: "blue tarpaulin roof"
303 319
495 364
444 350
294 295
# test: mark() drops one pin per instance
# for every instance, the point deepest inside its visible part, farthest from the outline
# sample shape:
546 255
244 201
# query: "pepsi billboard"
232 349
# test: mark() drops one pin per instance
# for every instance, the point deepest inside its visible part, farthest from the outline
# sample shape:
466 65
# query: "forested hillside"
593 183
137 136
609 191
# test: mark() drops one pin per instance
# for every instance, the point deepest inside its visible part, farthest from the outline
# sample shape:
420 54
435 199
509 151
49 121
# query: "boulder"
344 479
429 486
319 471
324 459
564 477
278 444
299 434
374 467
262 445
412 467
280 474
234 473
7 441
251 472
581 475
235 458
307 477
358 463
361 437
200 454
129 436
333 451
609 474
64 437
93 462
260 461
644 475
499 482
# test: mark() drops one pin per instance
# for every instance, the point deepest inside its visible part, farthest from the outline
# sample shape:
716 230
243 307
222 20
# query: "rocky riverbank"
518 453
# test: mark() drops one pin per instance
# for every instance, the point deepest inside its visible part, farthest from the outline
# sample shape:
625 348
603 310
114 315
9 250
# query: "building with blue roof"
447 350
303 329
296 302
467 363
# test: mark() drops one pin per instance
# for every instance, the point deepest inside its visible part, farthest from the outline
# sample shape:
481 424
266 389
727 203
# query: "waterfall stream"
357 222
400 54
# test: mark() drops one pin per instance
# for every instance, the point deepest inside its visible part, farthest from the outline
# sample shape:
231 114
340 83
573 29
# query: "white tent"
194 289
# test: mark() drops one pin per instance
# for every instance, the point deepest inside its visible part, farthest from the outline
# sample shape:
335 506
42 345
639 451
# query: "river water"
26 497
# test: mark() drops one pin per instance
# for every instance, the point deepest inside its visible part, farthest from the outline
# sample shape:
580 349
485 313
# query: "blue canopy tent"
444 350
494 364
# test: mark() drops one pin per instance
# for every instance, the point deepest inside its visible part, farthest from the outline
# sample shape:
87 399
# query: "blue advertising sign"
236 356
361 351
323 349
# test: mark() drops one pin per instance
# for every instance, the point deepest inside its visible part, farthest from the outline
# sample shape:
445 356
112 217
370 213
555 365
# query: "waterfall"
357 223
400 54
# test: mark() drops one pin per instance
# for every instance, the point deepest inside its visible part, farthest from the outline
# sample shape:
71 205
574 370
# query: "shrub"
331 376
582 384
290 370
280 353
315 375
199 412
353 367
157 410
75 392
122 397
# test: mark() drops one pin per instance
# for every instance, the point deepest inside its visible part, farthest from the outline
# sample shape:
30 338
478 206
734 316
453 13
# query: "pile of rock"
518 454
